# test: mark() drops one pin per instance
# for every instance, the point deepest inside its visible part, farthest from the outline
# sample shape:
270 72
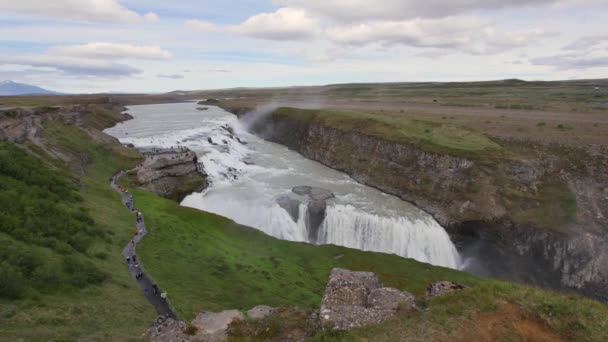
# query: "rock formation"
205 327
354 299
442 287
316 201
171 173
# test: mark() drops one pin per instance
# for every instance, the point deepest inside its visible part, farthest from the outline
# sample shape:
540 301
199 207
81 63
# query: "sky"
90 46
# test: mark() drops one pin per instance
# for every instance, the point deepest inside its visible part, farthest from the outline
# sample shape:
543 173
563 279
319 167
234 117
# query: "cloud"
224 71
92 59
79 10
572 61
111 51
466 34
171 76
284 24
151 17
200 25
585 43
71 65
354 10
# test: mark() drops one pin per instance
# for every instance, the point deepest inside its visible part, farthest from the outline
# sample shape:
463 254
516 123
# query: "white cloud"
80 10
92 59
200 25
466 34
72 65
585 43
171 76
572 61
353 10
111 51
151 17
284 24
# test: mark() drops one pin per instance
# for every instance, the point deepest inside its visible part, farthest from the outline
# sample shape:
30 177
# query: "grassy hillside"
61 233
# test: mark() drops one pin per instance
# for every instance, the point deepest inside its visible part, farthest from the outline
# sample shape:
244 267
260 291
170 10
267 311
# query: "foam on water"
248 174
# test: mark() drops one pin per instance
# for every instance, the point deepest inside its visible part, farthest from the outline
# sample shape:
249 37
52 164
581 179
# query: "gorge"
248 176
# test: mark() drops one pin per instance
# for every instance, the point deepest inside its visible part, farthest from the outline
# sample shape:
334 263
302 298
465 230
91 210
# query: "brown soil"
510 324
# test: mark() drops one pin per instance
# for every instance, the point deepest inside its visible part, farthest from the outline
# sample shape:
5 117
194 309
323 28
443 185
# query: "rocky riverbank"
532 212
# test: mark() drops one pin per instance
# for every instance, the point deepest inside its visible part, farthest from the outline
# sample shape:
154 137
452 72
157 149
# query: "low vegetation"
61 232
433 136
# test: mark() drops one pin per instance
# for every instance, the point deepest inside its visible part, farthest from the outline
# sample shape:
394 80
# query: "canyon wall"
537 214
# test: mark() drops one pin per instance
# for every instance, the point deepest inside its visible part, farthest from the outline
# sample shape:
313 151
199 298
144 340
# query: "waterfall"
247 175
423 240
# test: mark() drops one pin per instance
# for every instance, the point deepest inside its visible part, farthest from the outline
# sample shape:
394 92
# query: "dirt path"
135 266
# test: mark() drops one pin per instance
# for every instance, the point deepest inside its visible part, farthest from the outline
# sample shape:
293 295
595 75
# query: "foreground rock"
171 173
205 327
316 201
355 299
443 287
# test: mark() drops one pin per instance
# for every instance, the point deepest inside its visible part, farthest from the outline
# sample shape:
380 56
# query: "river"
248 175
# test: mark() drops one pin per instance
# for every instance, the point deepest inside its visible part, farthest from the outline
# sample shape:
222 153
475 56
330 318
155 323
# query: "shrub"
81 272
12 283
541 124
191 330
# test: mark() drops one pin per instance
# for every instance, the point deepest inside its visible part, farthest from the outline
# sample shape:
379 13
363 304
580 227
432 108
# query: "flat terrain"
574 112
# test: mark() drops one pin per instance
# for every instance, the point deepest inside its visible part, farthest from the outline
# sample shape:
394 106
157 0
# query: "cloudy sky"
159 45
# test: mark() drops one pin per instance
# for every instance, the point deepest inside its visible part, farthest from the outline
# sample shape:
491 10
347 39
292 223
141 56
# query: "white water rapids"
248 178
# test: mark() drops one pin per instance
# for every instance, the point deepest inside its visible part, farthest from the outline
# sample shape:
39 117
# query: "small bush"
13 284
541 124
191 330
82 273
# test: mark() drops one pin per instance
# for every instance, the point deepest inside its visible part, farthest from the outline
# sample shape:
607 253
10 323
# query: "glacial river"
248 176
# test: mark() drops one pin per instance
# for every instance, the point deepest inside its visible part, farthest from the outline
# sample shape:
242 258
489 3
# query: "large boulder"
212 326
167 329
354 299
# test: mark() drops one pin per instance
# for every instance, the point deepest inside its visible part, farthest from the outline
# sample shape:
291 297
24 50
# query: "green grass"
432 136
207 262
111 310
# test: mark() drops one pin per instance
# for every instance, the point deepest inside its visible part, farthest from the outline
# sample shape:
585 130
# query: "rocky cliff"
171 173
529 212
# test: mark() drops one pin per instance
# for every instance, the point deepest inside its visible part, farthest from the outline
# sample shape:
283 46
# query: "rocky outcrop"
355 299
442 287
260 311
536 214
171 173
205 327
315 200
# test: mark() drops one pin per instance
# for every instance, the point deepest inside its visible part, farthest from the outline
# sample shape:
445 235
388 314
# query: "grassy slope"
114 310
207 262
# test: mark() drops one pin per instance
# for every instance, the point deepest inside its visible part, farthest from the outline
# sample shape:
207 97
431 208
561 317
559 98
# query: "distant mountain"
8 88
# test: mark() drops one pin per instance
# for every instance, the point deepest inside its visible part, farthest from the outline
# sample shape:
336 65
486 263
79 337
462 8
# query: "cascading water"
248 175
